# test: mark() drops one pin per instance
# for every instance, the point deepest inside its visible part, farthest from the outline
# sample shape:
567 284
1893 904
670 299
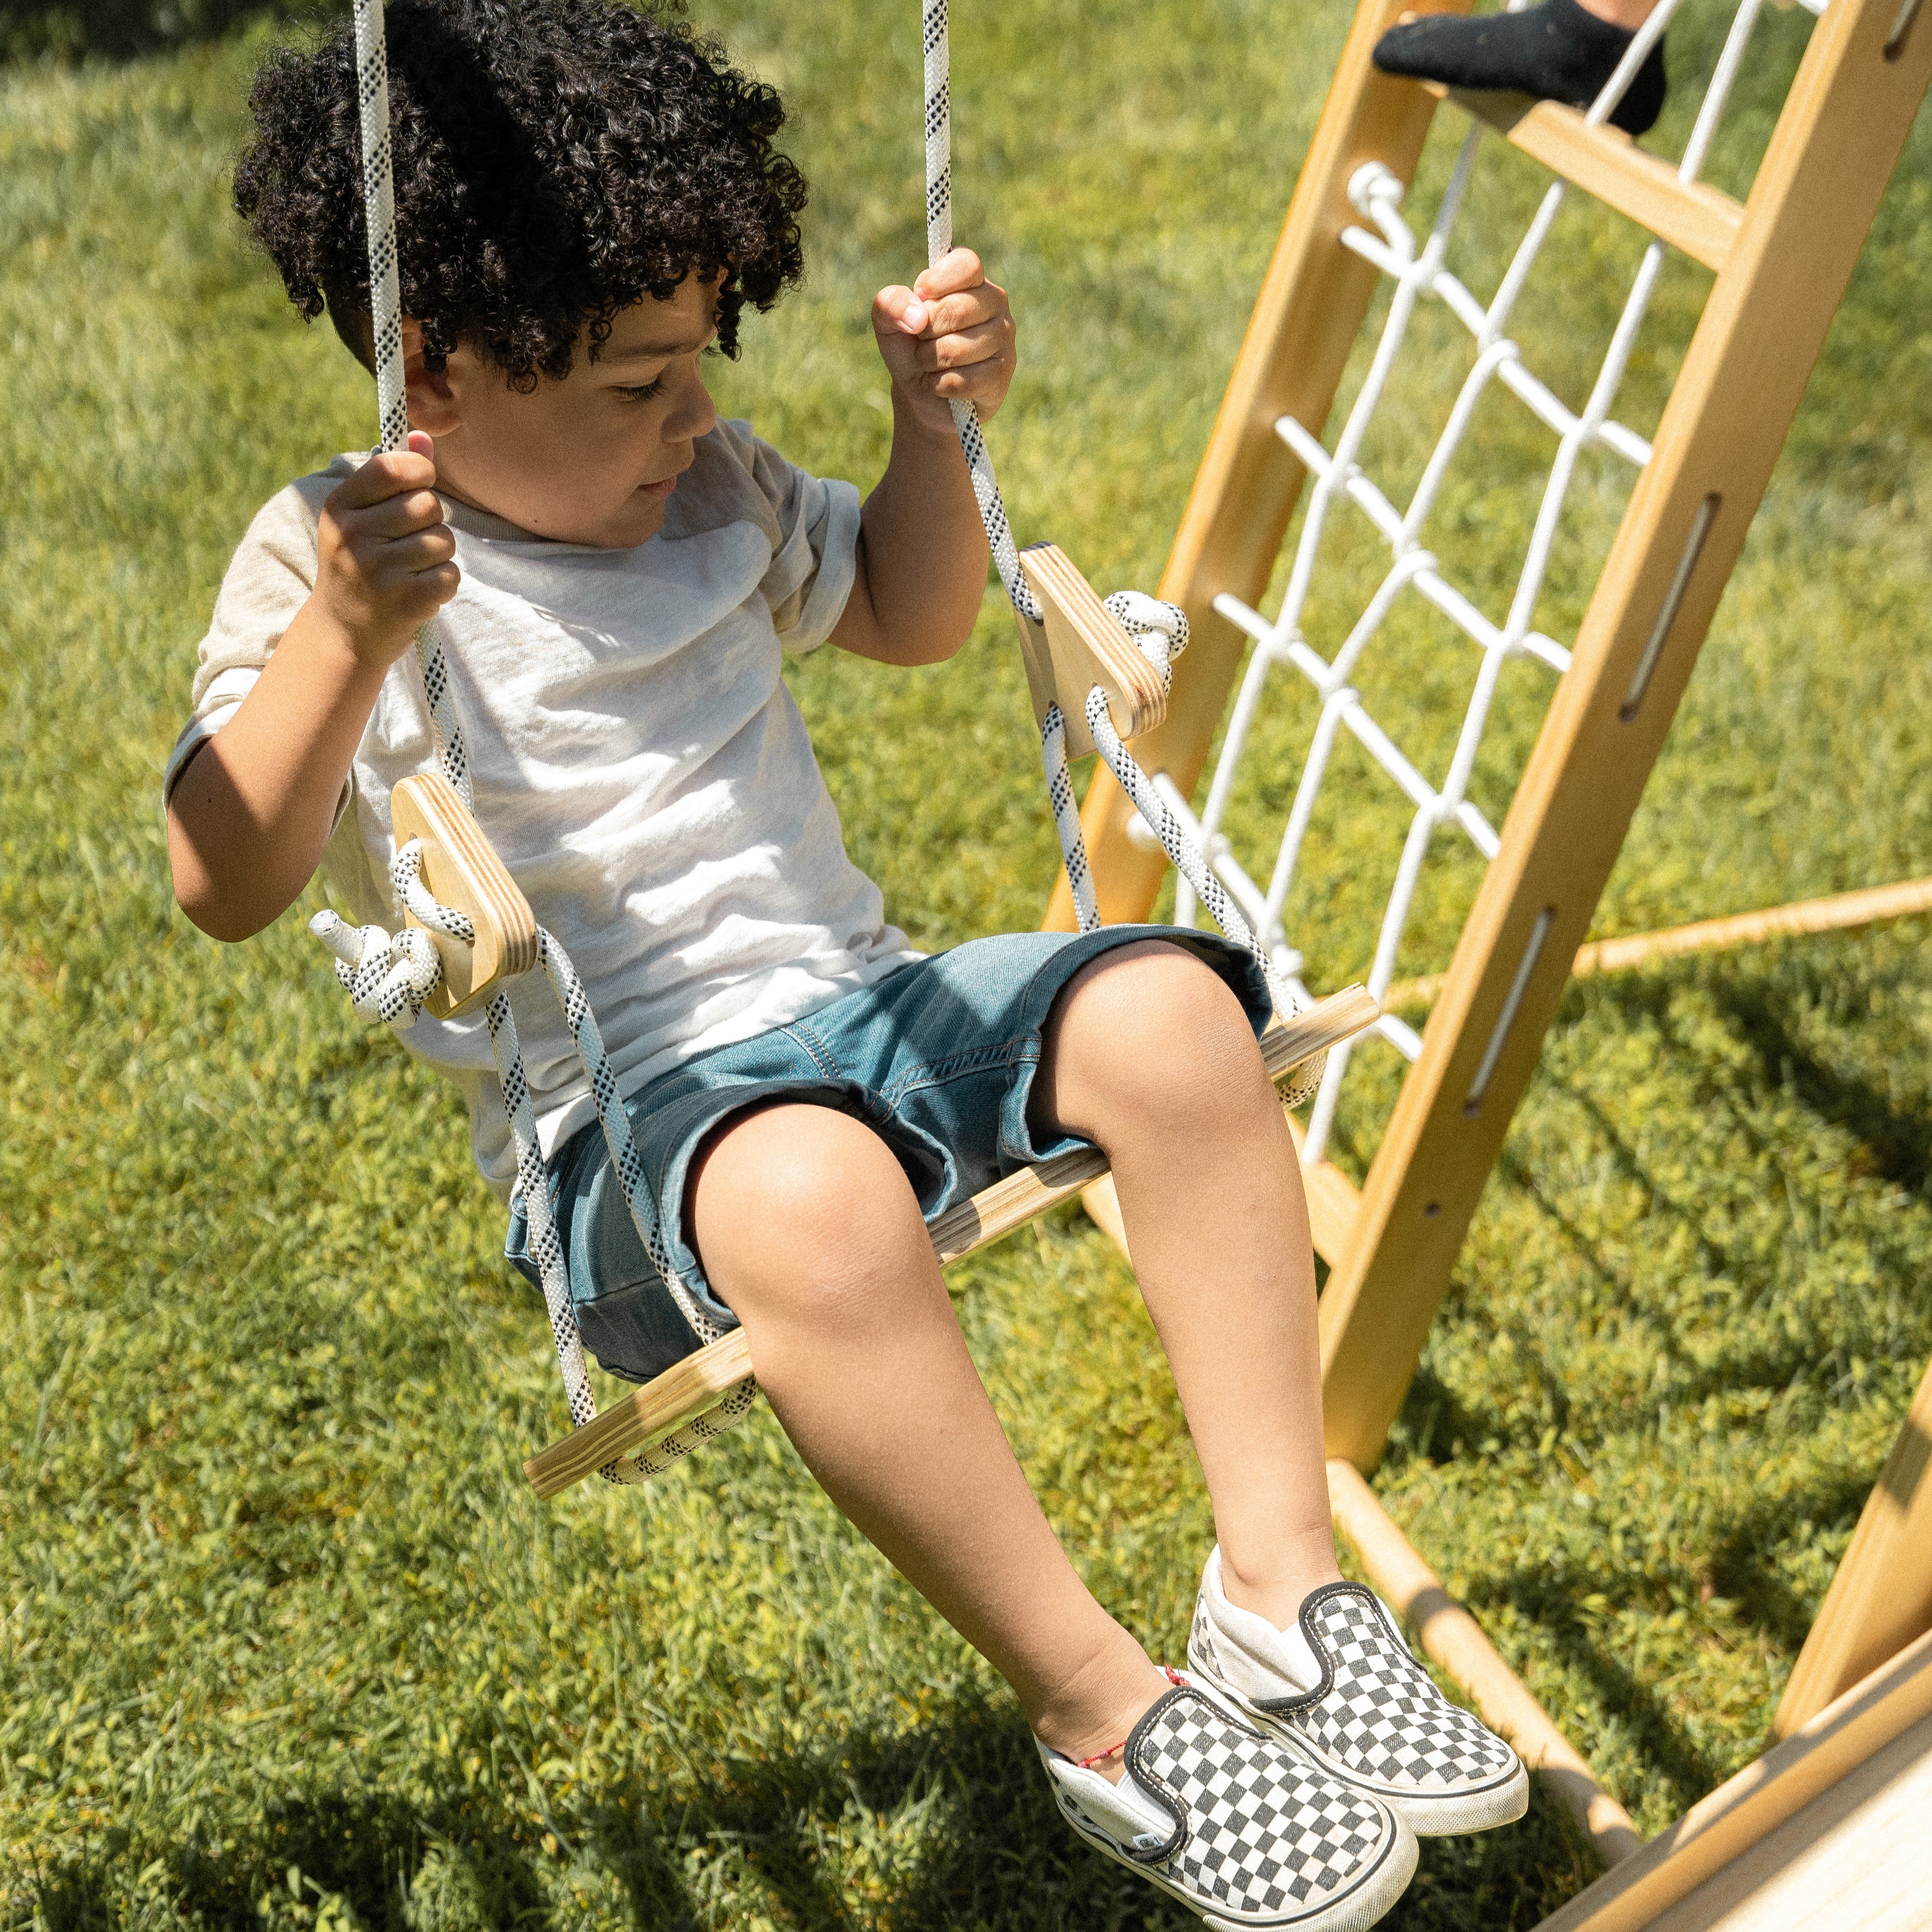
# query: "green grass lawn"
284 1639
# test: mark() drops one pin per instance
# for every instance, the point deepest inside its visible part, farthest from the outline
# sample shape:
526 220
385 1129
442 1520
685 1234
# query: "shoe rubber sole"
1370 1898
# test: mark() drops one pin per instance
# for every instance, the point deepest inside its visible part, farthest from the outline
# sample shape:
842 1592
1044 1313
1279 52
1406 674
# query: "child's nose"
694 414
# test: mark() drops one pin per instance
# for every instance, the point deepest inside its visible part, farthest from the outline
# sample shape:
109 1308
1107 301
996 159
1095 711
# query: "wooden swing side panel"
1305 323
1721 1829
460 869
1843 125
1881 1599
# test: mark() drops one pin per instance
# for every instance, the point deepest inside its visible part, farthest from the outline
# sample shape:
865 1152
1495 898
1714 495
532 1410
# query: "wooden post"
1311 307
1844 122
1881 1599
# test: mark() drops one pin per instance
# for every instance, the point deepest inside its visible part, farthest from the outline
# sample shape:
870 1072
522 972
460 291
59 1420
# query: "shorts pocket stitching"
815 1048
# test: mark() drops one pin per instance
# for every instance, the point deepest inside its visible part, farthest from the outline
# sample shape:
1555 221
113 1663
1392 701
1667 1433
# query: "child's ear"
432 401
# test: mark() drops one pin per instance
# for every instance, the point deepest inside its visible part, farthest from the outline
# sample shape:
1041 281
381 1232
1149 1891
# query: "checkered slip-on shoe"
1342 1685
1244 1831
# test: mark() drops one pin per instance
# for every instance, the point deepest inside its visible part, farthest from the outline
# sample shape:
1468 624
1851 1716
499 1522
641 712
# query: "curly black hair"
556 161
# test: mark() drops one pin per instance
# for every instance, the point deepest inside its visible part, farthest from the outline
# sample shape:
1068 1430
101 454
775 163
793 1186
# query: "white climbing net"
1419 270
388 975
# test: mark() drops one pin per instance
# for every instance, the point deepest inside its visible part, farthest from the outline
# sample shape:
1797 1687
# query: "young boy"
587 199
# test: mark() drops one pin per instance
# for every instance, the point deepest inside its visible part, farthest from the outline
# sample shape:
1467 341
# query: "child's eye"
642 392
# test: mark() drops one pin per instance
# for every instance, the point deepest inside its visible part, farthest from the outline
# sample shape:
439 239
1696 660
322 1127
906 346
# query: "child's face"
593 459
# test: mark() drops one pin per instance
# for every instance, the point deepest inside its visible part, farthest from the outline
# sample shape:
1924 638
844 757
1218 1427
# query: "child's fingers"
946 315
963 347
951 274
897 310
400 516
386 474
407 556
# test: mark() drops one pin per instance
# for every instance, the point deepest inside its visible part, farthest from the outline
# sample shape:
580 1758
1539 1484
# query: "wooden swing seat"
664 1405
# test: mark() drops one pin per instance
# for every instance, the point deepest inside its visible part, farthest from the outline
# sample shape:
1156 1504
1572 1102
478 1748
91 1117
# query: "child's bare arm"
250 816
921 547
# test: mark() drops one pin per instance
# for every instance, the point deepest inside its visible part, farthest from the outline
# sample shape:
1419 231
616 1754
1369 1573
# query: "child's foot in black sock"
1558 51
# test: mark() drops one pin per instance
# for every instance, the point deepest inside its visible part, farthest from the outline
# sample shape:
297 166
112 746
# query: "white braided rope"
938 245
388 976
386 322
1158 628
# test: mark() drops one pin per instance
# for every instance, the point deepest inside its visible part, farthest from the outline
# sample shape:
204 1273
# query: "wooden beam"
1881 1598
1703 222
1844 122
1305 321
1743 1812
1453 1638
688 1389
1842 912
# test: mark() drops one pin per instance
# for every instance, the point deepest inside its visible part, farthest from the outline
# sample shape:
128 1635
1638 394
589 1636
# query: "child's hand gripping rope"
948 338
385 559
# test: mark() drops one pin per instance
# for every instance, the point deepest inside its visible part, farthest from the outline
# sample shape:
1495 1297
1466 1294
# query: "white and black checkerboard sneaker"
1245 1832
1343 1685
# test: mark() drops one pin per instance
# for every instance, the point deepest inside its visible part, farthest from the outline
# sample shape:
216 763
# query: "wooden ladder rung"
1702 221
694 1384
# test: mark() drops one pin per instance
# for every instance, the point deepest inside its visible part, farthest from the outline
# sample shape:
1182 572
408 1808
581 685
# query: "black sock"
1558 51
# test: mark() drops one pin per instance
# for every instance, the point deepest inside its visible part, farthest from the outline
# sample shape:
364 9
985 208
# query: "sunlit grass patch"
287 1641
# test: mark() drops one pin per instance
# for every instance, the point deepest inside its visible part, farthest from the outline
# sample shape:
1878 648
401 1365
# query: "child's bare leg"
809 1230
1149 1055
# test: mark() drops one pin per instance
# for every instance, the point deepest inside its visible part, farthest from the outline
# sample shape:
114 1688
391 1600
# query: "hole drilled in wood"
1673 598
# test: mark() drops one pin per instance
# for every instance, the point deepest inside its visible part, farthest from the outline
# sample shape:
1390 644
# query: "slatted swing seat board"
687 1390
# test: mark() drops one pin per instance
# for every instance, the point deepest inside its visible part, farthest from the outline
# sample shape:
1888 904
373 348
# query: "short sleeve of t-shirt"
269 580
811 523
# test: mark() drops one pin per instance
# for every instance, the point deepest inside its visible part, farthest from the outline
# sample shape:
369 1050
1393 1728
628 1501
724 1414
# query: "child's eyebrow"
659 352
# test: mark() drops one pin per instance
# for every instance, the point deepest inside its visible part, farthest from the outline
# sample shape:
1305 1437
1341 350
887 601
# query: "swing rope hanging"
389 977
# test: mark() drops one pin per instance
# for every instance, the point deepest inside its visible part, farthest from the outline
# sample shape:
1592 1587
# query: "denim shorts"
937 1059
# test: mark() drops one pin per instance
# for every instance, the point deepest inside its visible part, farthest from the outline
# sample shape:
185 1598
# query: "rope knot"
387 976
1158 627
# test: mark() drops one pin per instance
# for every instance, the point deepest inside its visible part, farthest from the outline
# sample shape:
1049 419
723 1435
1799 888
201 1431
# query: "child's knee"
1152 1027
804 1208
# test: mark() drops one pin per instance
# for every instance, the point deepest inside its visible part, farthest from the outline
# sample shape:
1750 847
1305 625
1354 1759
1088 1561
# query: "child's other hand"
948 337
385 555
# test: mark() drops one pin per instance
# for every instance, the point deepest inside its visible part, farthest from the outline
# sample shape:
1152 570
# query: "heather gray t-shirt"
637 762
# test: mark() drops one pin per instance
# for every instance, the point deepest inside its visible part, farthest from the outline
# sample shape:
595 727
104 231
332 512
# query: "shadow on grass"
1897 1141
986 1850
121 30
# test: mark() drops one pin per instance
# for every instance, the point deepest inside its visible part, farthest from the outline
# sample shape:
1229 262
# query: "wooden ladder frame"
1781 260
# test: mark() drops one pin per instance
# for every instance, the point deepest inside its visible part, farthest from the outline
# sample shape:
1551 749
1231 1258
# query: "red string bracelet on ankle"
1173 1677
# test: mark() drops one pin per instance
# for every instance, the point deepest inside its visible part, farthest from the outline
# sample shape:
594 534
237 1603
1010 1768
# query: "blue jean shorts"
937 1059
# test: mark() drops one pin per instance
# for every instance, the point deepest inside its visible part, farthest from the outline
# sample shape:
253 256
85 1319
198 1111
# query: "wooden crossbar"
1702 221
683 1393
1842 912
